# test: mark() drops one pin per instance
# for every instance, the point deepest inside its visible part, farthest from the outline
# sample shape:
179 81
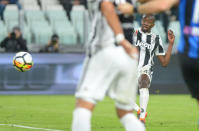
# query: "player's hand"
126 8
171 37
130 49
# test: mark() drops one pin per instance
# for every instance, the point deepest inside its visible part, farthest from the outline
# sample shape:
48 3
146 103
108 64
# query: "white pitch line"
29 127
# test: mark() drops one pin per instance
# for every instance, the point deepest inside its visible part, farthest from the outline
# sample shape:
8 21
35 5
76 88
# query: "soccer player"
188 47
149 45
109 68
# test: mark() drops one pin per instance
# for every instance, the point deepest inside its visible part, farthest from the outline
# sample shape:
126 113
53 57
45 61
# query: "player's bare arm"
126 8
156 6
148 6
108 11
164 60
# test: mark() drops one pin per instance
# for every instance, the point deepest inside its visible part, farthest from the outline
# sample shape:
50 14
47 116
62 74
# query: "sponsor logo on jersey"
143 44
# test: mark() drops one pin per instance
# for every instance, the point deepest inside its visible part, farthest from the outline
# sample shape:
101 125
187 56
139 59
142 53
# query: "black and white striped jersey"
126 20
101 34
148 45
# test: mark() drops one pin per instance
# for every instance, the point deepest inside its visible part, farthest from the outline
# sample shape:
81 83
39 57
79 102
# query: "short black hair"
150 16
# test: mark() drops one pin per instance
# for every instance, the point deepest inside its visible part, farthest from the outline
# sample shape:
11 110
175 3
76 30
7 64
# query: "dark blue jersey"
189 22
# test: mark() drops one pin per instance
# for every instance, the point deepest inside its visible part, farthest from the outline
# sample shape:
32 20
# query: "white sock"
136 107
144 98
81 120
131 123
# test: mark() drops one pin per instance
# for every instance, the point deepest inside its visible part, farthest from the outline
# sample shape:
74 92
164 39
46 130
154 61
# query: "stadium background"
59 72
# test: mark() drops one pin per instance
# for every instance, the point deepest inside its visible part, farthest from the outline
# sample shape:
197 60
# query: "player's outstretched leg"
82 116
144 83
129 120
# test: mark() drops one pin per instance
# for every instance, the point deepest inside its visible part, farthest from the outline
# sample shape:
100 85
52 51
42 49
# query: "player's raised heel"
143 120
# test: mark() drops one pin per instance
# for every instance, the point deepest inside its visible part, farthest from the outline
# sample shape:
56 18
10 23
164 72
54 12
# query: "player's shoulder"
154 34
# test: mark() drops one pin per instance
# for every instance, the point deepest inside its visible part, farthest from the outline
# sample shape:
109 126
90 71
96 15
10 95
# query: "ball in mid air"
22 61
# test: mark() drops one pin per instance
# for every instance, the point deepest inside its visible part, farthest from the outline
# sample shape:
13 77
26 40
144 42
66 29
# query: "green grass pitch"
165 113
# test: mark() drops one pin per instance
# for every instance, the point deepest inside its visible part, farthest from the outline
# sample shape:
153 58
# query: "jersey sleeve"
160 49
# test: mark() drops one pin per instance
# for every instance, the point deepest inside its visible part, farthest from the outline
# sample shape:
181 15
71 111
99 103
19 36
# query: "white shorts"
109 72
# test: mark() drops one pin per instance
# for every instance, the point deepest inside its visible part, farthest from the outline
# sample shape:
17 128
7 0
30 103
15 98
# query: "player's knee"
144 81
122 112
80 103
144 84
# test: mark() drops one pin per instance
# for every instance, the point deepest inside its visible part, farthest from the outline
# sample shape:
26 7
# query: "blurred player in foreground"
109 68
149 44
188 47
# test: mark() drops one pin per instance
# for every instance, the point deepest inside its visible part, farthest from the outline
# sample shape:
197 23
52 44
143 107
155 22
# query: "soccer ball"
22 61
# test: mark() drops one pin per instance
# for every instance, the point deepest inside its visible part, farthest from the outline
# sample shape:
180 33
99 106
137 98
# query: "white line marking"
21 126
